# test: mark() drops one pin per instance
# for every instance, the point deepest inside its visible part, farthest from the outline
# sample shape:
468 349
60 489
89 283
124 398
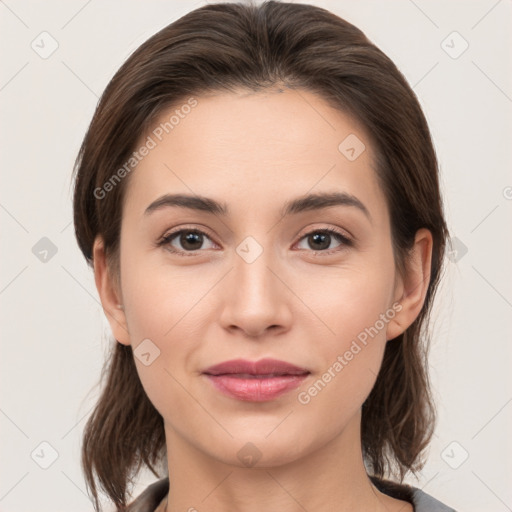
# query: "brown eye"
190 241
184 241
321 239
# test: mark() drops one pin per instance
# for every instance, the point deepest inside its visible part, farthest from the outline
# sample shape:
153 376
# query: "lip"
255 381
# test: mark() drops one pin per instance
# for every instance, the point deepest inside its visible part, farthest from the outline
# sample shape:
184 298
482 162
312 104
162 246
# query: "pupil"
322 237
189 239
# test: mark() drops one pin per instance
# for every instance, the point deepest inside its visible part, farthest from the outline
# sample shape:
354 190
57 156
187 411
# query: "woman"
258 196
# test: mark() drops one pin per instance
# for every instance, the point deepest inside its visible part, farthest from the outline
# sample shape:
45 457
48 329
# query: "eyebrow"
308 202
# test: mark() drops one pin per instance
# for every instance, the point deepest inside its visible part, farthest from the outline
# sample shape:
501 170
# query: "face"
266 275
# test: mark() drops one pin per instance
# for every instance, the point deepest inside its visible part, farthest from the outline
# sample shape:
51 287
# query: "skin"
254 151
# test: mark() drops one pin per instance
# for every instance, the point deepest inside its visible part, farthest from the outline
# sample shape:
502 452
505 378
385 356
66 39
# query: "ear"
411 289
109 293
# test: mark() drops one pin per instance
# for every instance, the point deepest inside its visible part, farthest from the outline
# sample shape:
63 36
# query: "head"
252 109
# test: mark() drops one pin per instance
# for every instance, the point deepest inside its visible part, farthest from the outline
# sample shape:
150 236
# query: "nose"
256 297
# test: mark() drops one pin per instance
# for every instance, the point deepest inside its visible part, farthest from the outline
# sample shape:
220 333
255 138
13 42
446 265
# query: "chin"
254 448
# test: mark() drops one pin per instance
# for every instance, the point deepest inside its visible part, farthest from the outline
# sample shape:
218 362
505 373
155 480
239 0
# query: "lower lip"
256 390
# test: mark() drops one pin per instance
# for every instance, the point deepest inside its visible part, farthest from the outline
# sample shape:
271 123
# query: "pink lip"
256 381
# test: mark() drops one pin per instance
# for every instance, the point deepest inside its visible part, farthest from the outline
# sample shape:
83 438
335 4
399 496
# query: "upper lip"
265 366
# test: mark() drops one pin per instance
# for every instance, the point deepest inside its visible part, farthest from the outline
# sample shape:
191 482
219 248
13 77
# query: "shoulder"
151 497
421 501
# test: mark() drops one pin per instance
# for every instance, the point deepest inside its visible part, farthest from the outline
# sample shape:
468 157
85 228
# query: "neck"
326 479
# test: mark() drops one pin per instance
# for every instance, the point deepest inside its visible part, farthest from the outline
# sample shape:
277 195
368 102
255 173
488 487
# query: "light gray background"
54 334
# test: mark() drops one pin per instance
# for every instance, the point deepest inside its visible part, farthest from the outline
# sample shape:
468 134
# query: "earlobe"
109 294
412 289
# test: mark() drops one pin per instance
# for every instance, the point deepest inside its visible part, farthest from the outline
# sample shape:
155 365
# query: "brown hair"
226 46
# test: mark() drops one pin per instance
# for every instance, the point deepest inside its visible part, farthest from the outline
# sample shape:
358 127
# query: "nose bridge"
252 275
255 298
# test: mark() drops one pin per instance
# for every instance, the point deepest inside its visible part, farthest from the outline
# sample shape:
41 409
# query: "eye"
190 240
321 239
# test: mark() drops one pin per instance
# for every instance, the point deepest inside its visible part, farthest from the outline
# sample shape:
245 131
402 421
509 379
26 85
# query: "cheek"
157 297
352 359
162 309
357 311
357 302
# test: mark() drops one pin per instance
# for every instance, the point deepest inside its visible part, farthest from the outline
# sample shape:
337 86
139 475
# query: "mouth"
258 381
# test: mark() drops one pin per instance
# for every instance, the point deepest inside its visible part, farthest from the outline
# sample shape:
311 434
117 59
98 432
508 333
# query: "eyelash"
166 240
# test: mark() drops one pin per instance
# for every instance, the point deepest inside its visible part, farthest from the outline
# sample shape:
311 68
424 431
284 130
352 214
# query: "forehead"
249 148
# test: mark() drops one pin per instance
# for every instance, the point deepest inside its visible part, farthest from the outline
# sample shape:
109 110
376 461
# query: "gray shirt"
150 499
